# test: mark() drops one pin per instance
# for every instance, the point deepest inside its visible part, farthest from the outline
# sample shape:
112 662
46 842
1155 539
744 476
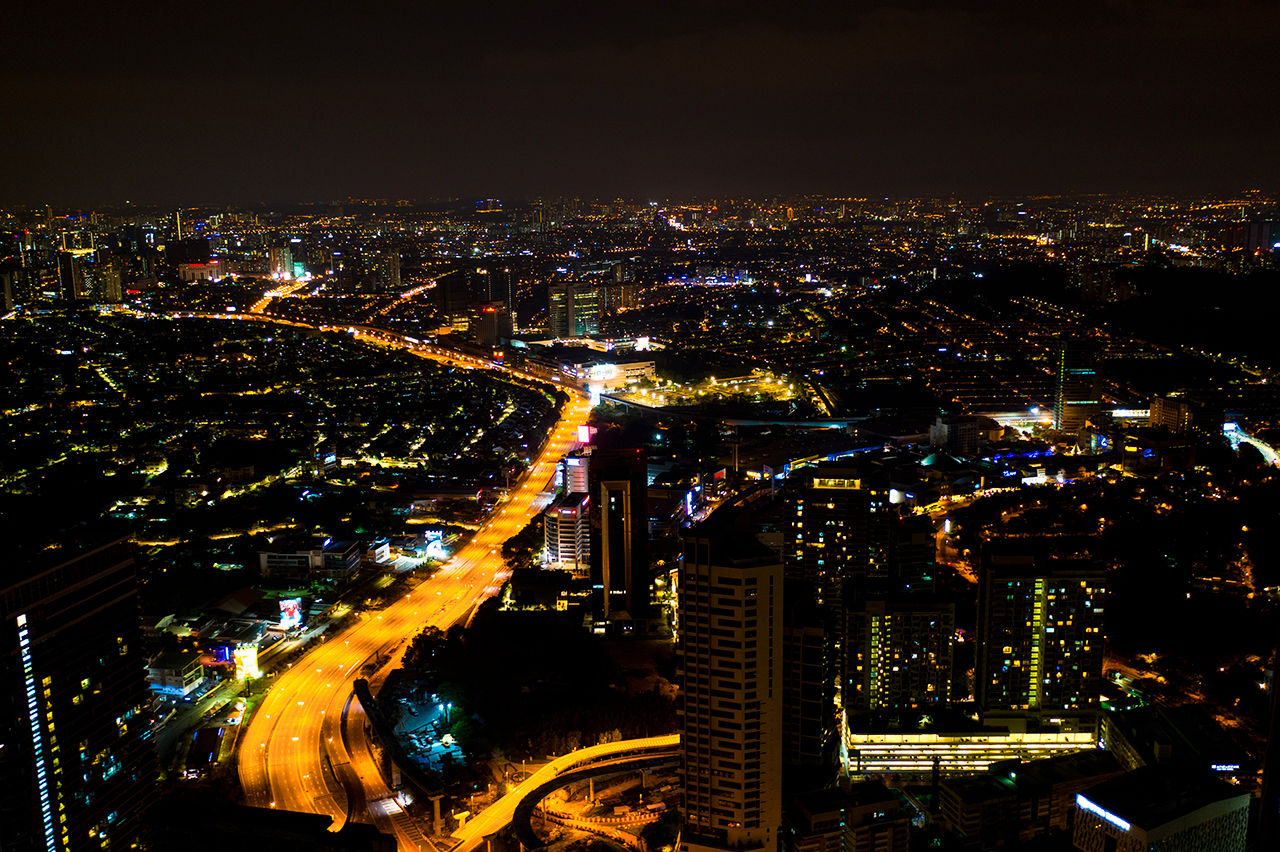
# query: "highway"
293 754
621 753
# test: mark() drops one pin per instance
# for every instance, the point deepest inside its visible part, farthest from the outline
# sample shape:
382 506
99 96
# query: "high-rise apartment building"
1041 629
899 649
840 532
730 659
73 759
808 725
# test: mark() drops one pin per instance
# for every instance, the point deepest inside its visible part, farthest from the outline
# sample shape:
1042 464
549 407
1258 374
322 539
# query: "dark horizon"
287 100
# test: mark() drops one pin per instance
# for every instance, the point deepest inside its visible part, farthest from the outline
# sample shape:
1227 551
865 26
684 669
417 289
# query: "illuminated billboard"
603 372
246 657
290 613
434 540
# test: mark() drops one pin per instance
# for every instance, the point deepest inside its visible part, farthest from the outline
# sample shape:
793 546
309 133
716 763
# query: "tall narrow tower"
75 766
1075 392
620 530
730 616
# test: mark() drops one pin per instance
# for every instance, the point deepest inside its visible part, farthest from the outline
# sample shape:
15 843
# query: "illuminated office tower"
567 534
76 768
574 310
619 481
730 660
386 269
1041 628
573 474
280 261
298 255
72 283
490 322
899 650
1075 395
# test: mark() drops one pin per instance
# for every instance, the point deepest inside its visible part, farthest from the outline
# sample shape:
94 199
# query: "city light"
1084 804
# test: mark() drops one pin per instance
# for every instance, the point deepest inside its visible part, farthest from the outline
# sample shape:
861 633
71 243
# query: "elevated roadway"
576 765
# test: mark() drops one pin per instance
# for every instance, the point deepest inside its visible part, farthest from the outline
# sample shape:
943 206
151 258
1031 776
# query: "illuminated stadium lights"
1085 804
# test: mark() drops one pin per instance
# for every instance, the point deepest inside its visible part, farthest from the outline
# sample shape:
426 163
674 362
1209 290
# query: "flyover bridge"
529 838
577 765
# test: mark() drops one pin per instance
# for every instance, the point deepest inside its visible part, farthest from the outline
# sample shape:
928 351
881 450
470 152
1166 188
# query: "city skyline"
698 426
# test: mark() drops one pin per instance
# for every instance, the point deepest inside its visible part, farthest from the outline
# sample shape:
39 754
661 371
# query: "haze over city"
280 101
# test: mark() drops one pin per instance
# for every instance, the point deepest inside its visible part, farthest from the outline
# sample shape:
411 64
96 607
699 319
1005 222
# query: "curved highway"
561 771
293 753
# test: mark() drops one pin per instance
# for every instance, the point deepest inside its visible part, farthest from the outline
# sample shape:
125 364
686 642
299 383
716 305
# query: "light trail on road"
293 754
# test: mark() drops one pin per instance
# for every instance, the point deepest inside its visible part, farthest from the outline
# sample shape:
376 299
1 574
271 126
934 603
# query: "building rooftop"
981 788
732 529
1049 771
1151 796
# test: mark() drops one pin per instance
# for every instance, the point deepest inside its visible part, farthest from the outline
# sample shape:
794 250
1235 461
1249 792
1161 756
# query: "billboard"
602 372
290 613
434 541
246 656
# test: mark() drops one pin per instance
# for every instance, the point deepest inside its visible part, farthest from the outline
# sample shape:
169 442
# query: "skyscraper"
840 532
386 269
76 769
806 687
730 659
899 650
574 310
454 294
280 261
1075 395
620 530
1040 624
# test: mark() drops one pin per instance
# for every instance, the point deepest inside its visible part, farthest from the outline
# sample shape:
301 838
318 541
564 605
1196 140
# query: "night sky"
168 102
